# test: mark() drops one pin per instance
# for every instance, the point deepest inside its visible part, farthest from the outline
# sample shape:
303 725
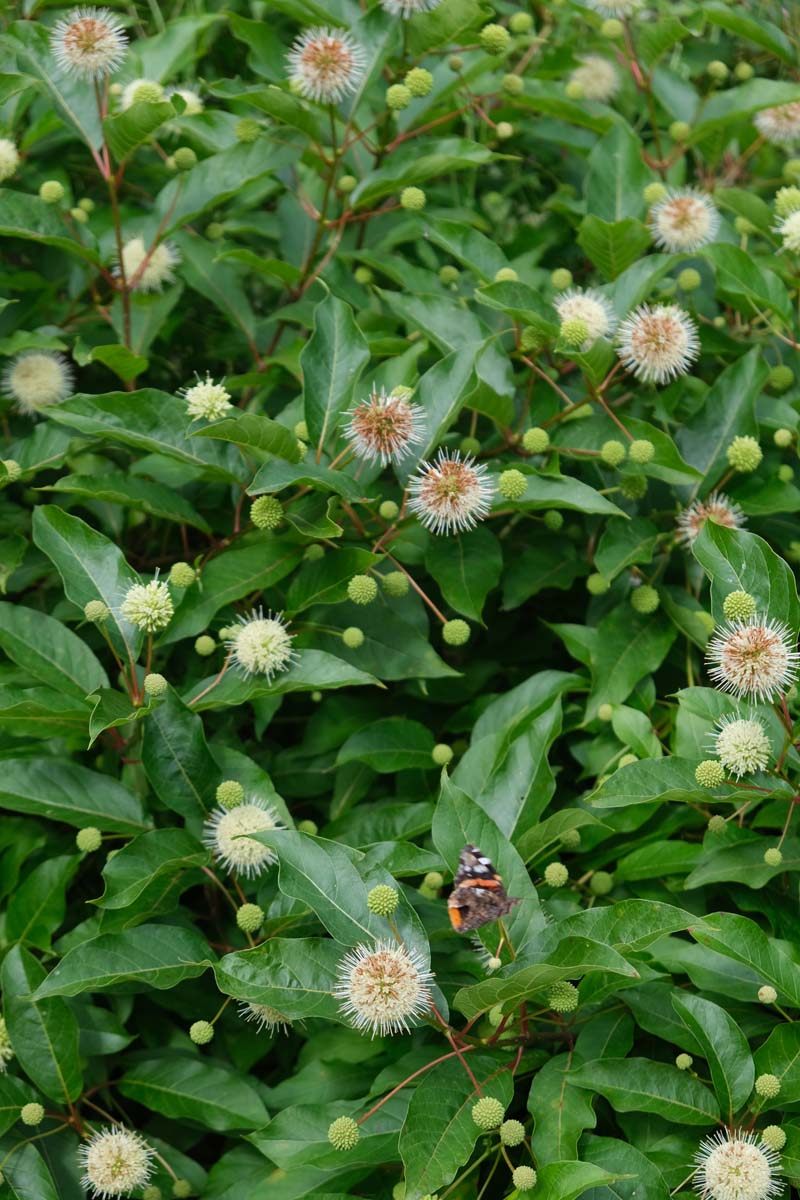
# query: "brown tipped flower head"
658 342
383 988
781 125
717 508
89 43
735 1165
755 658
264 1016
385 427
326 64
589 306
683 220
115 1162
226 835
451 494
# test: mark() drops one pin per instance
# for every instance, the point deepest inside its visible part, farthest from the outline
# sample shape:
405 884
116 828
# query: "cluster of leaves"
570 722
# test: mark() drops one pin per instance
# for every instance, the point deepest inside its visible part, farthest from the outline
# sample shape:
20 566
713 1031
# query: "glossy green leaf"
640 1085
44 1032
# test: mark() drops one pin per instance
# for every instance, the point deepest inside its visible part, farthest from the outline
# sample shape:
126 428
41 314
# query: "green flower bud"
683 1062
504 130
434 880
266 512
767 1086
773 857
247 130
201 1033
743 71
571 838
531 340
612 28
32 1113
488 1113
449 275
574 90
205 645
382 900
147 91
470 445
88 839
87 205
744 228
249 918
679 131
395 584
398 97
774 1137
654 192
738 606
561 278
785 473
535 440
689 280
513 85
787 201
710 774
51 191
512 1133
718 71
314 552
605 712
716 824
512 484
455 62
181 1189
309 827
644 599
791 169
362 589
574 333
633 487
641 451
79 215
456 632
780 378
389 510
181 575
353 637
596 584
495 39
215 230
783 438
612 453
601 883
521 22
413 199
347 184
151 1192
419 81
442 754
155 684
363 275
506 275
562 997
494 963
97 612
343 1133
230 793
744 454
556 875
185 158
523 1178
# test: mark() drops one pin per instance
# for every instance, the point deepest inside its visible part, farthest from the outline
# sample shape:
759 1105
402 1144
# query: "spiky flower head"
456 632
645 599
343 1133
716 824
717 508
774 1137
96 612
88 839
385 428
744 454
683 1062
556 875
90 43
768 1087
382 900
226 835
419 82
709 773
641 451
451 494
383 988
412 198
787 200
789 230
562 997
767 994
201 1033
181 1189
266 512
155 684
398 97
362 589
488 1112
755 658
612 452
535 440
732 1164
495 39
206 399
658 342
148 271
408 8
249 918
523 1178
353 637
742 746
512 1133
115 1161
597 78
230 793
739 606
326 64
148 606
781 125
574 333
37 379
261 645
683 220
141 91
182 575
9 158
264 1016
512 484
395 584
32 1114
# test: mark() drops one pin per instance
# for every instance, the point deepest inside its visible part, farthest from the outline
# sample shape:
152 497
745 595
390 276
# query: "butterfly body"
478 894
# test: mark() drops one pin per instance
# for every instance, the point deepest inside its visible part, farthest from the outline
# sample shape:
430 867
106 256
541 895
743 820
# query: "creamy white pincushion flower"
261 645
37 379
191 99
140 90
684 220
265 1017
158 269
754 658
407 8
614 8
207 399
326 64
115 1162
717 508
6 1049
736 1165
383 988
385 427
789 229
742 745
597 78
658 342
9 158
589 306
89 43
781 125
225 833
451 494
148 606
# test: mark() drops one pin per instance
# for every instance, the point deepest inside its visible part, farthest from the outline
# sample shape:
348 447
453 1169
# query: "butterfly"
478 895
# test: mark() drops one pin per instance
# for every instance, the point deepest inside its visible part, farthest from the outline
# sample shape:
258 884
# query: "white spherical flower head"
385 427
226 835
115 1162
191 99
265 1017
89 43
407 8
9 158
684 220
589 306
789 229
262 645
658 342
37 379
717 508
148 606
735 1165
206 399
148 273
596 77
755 658
614 8
781 125
326 64
451 494
742 746
383 988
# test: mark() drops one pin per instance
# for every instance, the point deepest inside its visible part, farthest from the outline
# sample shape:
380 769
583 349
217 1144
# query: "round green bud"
523 1178
155 684
442 754
718 71
151 1192
230 793
347 184
343 1133
201 1033
470 445
455 62
783 438
744 454
389 510
309 827
205 645
301 430
362 589
785 473
247 129
571 838
395 584
597 584
398 97
249 918
181 1189
744 228
791 169
612 453
363 275
645 599
601 883
32 1113
506 275
573 333
215 230
382 900
553 520
13 472
773 1137
96 612
716 824
419 81
773 857
266 512
456 632
495 1015
574 90
488 1112
535 440
181 575
689 280
743 71
767 994
147 91
413 199
709 774
521 22
683 1062
88 205
504 130
679 131
633 487
787 201
641 451
605 712
449 275
512 484
512 1133
51 191
562 997
88 840
513 85
353 637
612 28
314 552
556 875
780 378
185 158
495 39
494 963
654 192
399 1191
561 278
79 215
531 340
738 606
768 1086
434 880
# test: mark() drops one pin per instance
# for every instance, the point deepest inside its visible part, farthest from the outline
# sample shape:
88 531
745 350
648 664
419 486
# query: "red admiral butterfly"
478 895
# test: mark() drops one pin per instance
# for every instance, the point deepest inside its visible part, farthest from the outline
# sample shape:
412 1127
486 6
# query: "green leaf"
325 580
282 106
762 32
641 1085
37 907
466 567
65 791
624 543
562 491
616 176
407 166
749 286
728 412
123 362
40 712
628 647
25 1173
299 1134
49 651
332 361
550 563
112 709
296 976
177 760
13 1094
535 841
780 1055
313 670
131 492
737 560
560 1112
148 857
255 431
662 779
277 475
179 1085
740 939
29 218
44 1032
636 1175
568 1180
613 246
392 744
724 1047
467 246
